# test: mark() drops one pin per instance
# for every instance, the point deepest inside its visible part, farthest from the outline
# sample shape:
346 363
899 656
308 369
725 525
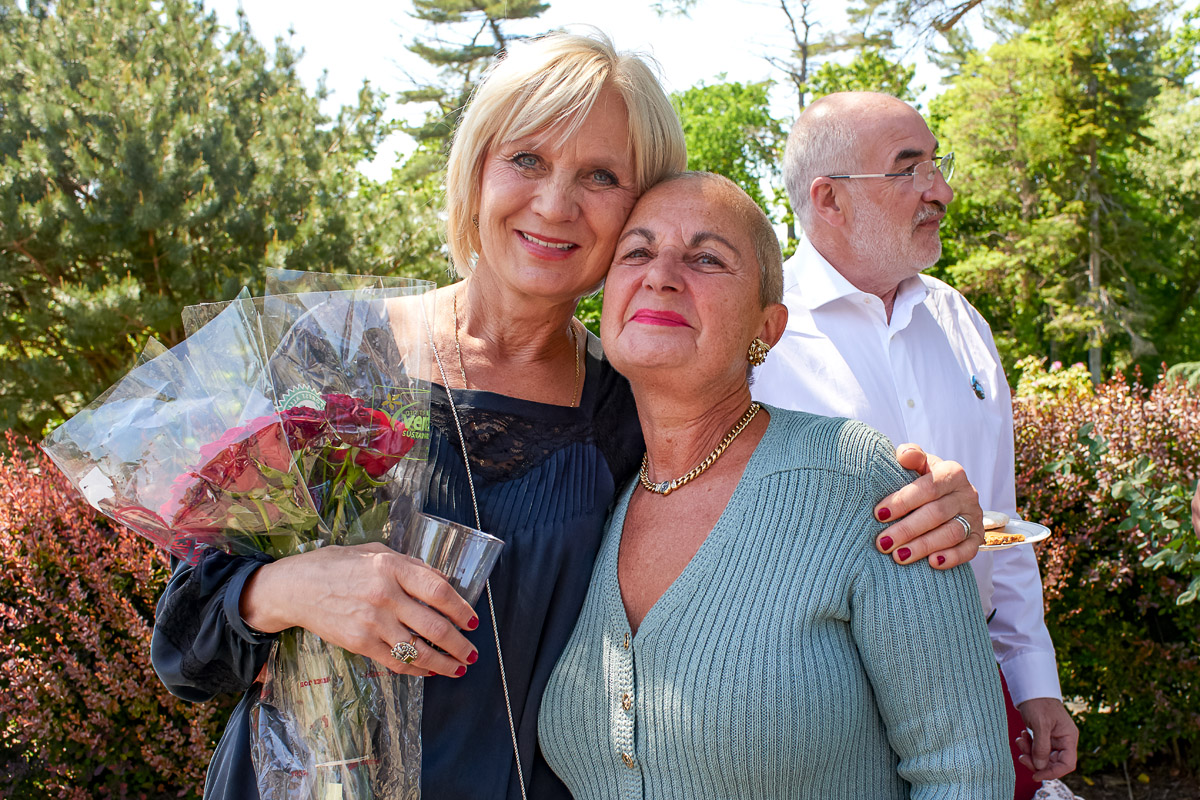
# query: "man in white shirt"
869 337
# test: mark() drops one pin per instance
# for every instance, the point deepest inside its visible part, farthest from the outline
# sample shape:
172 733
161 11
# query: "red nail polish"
431 675
885 542
472 623
941 560
458 673
471 659
904 553
883 514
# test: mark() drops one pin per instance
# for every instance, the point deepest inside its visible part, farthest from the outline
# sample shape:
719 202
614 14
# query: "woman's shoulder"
803 440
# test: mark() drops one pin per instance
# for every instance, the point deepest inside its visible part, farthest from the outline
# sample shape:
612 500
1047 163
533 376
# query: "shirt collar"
812 284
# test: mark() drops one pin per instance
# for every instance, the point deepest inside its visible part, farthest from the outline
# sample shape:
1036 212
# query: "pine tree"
150 159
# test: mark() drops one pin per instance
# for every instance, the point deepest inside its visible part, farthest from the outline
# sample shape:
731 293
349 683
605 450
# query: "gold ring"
405 652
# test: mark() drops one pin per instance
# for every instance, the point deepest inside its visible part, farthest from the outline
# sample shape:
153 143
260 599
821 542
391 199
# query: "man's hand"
1051 750
923 513
1196 509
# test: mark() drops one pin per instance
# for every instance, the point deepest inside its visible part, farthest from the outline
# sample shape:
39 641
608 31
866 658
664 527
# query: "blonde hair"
553 82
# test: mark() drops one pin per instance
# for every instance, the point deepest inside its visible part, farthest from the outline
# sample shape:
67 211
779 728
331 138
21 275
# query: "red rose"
200 499
379 442
349 418
304 425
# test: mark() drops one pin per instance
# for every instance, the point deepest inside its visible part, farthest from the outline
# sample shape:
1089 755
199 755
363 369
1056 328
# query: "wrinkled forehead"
689 205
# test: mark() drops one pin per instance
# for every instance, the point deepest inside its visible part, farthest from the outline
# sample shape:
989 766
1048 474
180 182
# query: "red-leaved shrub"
82 714
1126 650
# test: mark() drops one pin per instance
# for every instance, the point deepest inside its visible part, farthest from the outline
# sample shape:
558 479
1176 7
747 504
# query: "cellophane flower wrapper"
347 361
188 448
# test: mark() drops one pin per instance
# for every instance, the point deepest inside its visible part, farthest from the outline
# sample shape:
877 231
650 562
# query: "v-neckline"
700 559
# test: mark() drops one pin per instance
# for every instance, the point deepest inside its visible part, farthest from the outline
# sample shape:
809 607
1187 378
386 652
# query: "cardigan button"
628 759
627 641
626 701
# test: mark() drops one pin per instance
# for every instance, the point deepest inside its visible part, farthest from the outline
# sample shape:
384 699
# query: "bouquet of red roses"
188 449
348 356
280 424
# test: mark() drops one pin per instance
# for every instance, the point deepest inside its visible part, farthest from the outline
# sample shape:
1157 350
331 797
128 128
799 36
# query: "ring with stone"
405 652
961 520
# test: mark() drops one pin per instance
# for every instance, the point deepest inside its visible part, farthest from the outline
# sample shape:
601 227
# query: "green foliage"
1186 371
1109 470
869 71
82 714
1036 381
1057 235
150 159
730 131
588 311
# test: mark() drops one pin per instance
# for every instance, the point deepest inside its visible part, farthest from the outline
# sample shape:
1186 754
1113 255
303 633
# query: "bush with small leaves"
82 714
1109 470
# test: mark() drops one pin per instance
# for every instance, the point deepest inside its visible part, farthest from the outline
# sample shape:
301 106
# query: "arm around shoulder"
926 650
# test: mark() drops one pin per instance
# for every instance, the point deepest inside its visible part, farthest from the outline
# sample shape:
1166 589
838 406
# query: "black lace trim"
504 446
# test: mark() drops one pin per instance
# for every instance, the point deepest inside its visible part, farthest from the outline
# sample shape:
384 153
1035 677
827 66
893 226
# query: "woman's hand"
922 513
365 599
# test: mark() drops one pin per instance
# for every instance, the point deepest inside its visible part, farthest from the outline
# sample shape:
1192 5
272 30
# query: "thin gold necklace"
574 343
666 487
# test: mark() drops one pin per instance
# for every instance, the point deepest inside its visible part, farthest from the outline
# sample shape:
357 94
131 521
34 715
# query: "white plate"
1033 533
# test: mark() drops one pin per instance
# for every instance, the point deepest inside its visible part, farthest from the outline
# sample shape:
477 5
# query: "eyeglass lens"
923 174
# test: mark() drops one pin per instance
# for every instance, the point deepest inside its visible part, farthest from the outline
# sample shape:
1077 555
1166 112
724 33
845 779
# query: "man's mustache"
936 208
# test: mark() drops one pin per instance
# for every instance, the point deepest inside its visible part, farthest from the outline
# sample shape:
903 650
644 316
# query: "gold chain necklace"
574 343
666 487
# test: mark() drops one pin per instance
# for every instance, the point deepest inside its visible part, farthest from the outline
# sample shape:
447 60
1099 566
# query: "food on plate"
993 538
993 520
994 533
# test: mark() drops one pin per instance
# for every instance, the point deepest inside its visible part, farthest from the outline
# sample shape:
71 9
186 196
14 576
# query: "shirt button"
911 404
628 759
626 702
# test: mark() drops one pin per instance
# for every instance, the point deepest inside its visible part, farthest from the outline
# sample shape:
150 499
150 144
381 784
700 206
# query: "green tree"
1169 168
1052 235
870 71
729 130
150 159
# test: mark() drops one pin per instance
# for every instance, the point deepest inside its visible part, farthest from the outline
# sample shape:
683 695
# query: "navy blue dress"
545 477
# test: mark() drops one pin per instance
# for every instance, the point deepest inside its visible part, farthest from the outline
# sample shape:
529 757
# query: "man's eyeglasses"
922 174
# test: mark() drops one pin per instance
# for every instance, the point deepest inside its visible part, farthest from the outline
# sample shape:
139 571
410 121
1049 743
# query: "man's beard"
893 250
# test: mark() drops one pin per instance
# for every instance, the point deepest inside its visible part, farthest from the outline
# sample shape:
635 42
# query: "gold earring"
757 353
475 220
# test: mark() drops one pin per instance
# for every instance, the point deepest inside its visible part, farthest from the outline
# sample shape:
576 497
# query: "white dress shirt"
931 376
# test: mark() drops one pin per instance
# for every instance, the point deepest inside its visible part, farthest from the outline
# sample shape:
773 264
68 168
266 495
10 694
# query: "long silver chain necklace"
666 487
574 343
512 728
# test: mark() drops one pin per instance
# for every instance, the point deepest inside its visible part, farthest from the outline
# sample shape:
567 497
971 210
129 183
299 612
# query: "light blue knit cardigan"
790 659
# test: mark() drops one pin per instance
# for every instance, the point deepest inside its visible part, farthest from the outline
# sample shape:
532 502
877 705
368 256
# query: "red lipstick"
648 316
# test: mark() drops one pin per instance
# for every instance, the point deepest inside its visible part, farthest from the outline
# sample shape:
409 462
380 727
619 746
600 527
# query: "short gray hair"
822 142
